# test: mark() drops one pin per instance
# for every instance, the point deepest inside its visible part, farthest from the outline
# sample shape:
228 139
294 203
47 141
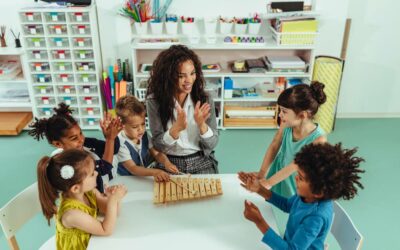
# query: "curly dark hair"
302 97
54 127
164 78
331 170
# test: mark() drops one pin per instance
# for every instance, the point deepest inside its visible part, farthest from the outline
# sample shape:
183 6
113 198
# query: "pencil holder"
254 28
171 28
141 28
210 26
225 27
240 28
188 28
156 27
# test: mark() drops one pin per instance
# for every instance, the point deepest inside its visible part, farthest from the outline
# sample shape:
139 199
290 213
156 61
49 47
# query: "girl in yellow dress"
71 177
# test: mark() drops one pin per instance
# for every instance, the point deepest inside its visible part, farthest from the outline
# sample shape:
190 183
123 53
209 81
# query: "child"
136 151
298 105
62 131
71 176
325 173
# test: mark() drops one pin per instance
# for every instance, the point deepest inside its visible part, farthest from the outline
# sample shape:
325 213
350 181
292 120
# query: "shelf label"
36 42
43 90
81 42
67 89
67 100
45 100
33 31
64 78
85 67
42 79
91 122
58 30
82 55
37 54
54 16
61 54
61 67
90 111
29 15
38 67
86 90
78 17
81 29
46 111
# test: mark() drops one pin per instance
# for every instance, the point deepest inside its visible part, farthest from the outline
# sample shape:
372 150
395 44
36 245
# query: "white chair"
18 211
344 230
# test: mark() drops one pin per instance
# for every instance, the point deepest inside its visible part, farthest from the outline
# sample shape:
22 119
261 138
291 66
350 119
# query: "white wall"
370 81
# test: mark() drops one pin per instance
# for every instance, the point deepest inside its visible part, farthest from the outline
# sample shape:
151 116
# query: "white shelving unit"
8 103
224 54
64 61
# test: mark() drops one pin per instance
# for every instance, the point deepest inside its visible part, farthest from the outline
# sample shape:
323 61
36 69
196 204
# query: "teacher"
181 114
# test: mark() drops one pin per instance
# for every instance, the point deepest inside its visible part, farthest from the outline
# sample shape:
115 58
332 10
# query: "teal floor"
374 210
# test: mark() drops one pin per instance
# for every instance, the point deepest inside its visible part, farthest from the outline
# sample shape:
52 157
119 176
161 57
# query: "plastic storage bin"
37 55
64 78
82 42
57 42
88 100
79 17
31 17
87 90
293 38
91 122
85 66
45 112
69 100
87 78
57 29
61 54
80 29
66 90
43 90
83 54
90 111
36 42
33 30
45 101
41 78
54 16
62 66
39 66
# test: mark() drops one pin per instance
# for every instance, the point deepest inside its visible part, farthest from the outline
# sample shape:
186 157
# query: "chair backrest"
344 230
18 211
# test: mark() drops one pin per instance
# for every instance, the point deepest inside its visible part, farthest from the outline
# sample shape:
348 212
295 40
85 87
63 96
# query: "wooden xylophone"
184 188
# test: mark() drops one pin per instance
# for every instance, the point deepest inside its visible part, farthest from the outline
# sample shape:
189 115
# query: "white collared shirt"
188 141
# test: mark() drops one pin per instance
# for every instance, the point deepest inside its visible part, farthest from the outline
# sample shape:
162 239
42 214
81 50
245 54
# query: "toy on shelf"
213 67
244 40
146 67
3 36
239 66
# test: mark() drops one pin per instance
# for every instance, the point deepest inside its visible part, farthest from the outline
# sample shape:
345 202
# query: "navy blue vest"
144 152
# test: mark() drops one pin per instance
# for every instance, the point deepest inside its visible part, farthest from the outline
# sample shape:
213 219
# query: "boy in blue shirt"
325 173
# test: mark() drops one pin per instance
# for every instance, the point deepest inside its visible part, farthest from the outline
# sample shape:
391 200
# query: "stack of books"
285 64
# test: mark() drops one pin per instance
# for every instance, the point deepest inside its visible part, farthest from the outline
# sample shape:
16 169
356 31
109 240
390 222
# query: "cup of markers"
225 25
156 27
188 26
171 24
241 25
254 25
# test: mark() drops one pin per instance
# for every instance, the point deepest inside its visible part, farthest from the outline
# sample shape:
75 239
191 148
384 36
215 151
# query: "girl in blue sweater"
325 173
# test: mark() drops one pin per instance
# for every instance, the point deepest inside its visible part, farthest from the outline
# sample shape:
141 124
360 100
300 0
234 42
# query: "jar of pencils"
140 28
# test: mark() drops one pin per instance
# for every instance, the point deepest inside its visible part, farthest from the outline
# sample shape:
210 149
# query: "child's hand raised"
251 212
116 192
201 113
110 126
249 182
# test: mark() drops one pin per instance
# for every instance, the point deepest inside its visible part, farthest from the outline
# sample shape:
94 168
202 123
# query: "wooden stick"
182 186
